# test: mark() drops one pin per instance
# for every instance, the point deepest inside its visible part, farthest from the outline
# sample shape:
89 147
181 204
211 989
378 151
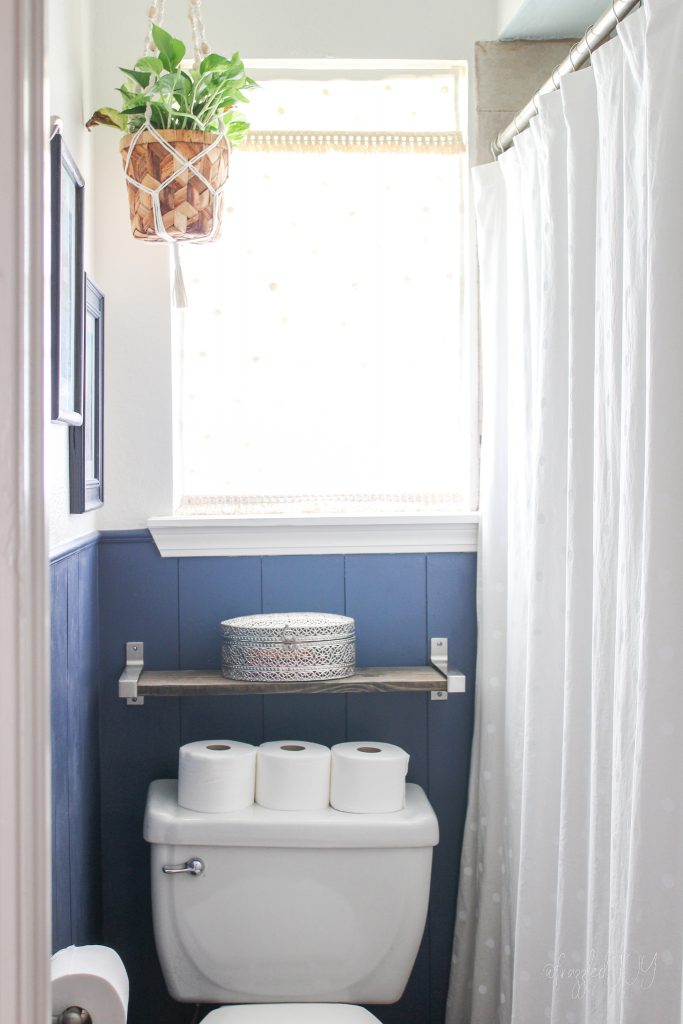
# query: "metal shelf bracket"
130 677
455 680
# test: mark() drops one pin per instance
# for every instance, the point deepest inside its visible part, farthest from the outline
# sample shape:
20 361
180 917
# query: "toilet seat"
291 1013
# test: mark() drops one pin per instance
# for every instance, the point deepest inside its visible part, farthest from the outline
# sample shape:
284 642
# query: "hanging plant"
179 123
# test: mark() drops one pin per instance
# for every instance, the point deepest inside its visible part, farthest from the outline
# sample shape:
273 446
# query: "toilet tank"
312 906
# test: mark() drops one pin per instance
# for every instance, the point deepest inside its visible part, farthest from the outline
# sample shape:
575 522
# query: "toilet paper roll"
216 776
292 775
368 777
92 978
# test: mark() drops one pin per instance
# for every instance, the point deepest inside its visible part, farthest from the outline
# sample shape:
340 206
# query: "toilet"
295 916
291 1013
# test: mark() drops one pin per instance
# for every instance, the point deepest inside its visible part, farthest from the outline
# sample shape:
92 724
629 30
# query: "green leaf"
173 85
237 134
139 77
163 41
207 97
230 88
178 52
213 61
165 84
151 64
128 93
134 108
185 84
158 115
171 51
233 73
108 116
232 68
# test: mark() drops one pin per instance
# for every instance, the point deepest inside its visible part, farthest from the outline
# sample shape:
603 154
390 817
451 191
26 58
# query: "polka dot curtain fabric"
571 889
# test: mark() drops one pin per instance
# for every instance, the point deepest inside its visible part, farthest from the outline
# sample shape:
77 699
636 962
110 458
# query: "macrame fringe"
155 15
179 293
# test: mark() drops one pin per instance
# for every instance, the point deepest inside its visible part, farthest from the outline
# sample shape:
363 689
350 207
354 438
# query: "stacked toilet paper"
368 777
293 776
216 776
219 776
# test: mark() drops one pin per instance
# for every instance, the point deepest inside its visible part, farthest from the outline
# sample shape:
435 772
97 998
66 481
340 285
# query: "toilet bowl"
298 916
291 1013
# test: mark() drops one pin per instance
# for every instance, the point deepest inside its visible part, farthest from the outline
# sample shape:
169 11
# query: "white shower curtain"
570 907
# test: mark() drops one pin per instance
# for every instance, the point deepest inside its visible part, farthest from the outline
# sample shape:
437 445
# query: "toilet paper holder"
72 1015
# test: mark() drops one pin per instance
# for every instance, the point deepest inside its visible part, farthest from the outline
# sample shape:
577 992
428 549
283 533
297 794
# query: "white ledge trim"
197 536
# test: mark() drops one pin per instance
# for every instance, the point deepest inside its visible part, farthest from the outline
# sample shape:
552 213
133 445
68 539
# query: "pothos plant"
200 99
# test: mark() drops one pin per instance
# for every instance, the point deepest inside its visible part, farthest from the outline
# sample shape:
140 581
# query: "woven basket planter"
189 210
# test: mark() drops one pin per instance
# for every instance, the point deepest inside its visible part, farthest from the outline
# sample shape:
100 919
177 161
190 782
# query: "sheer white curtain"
318 324
571 891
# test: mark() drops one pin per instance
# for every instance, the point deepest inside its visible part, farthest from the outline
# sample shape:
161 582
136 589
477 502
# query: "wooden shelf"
136 682
192 683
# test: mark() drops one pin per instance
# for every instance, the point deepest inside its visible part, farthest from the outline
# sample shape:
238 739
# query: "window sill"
201 536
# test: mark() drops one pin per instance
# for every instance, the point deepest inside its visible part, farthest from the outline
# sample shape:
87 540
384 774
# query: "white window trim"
202 536
278 64
181 536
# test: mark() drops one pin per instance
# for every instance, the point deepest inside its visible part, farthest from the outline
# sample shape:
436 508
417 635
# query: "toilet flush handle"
190 867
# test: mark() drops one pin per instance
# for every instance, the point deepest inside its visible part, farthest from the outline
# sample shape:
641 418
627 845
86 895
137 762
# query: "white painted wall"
68 80
134 276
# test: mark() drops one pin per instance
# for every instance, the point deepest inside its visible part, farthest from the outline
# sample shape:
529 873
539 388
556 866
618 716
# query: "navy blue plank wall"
76 890
174 606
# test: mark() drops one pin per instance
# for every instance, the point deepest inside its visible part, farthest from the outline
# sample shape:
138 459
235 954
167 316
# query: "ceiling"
553 19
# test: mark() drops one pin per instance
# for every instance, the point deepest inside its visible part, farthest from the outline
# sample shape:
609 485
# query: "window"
324 362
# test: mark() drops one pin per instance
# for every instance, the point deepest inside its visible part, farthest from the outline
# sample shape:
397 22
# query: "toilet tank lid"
171 825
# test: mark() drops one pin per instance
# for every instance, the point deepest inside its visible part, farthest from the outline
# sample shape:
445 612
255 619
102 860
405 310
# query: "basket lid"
287 627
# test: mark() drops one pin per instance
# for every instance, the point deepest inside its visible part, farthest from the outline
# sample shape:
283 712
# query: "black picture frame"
66 300
86 441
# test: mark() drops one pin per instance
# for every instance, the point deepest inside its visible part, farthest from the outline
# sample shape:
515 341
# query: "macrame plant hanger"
184 166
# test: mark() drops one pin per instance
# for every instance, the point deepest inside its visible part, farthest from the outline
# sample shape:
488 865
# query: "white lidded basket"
289 647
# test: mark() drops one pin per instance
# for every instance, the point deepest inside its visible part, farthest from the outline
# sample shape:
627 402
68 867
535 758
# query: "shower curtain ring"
571 58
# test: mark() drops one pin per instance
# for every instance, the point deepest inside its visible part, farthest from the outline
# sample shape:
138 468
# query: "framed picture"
86 447
67 283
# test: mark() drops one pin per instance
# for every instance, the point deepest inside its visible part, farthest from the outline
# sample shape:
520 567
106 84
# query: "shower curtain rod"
579 55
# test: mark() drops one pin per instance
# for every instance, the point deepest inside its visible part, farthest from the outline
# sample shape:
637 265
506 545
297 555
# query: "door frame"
24 609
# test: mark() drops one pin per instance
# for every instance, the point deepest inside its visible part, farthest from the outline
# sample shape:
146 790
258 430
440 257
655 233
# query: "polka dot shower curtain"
570 905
